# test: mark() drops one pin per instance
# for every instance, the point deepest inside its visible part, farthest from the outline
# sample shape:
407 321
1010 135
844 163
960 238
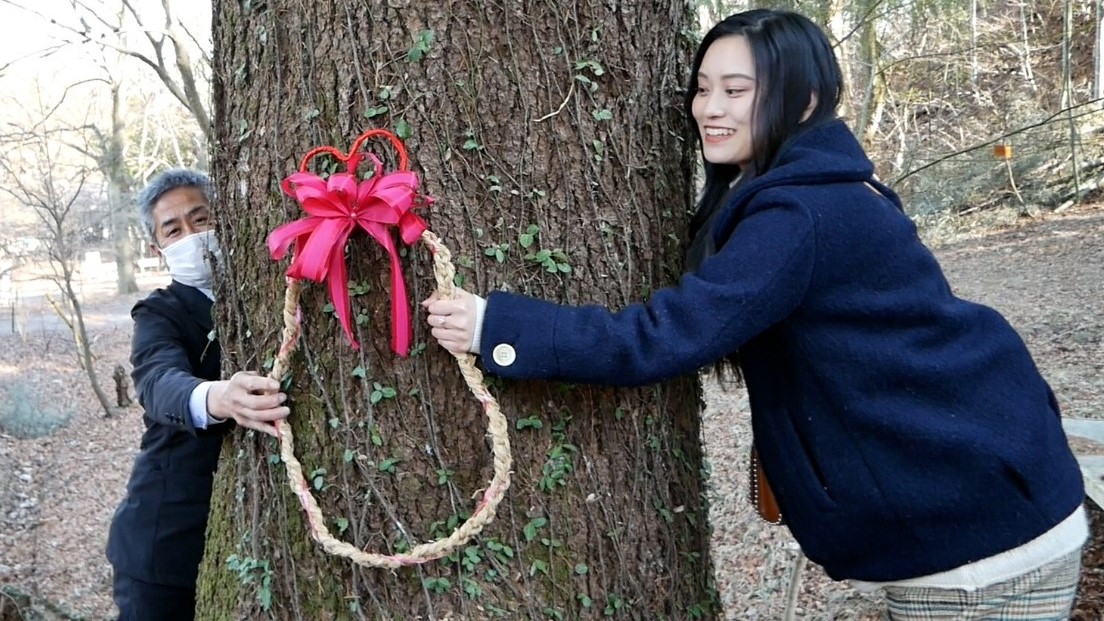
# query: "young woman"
907 434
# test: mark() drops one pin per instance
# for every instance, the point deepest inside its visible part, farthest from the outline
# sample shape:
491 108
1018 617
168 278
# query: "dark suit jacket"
157 533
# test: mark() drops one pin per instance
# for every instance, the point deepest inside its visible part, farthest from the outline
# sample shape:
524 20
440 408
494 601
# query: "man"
157 534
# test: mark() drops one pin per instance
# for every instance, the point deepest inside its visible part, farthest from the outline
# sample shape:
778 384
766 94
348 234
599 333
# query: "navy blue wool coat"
905 431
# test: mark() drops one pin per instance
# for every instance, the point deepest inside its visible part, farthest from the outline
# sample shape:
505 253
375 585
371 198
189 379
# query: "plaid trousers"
1045 594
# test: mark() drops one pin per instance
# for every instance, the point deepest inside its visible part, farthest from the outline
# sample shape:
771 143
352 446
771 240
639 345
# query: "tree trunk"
88 361
1025 58
873 79
118 186
974 50
1098 49
840 30
73 317
1067 94
565 117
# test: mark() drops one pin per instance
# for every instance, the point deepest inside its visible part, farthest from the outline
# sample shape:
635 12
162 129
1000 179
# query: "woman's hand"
456 323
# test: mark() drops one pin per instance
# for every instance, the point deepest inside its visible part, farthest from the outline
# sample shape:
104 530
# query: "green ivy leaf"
531 528
375 111
594 66
403 130
319 482
538 565
356 288
421 46
531 422
437 585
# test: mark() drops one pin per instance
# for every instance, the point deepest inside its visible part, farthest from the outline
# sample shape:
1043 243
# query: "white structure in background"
150 264
6 291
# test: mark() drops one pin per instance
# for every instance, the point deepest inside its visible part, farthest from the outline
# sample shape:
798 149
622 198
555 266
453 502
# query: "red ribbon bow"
337 207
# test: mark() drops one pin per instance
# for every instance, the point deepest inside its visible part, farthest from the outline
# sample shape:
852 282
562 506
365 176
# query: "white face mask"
187 259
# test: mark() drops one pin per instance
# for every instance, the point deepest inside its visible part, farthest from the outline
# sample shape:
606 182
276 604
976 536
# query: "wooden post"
122 394
1004 152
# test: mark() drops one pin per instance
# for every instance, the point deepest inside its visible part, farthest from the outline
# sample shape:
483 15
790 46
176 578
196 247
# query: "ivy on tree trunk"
551 135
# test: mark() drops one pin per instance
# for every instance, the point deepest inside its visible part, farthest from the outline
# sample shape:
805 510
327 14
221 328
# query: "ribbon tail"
339 296
401 330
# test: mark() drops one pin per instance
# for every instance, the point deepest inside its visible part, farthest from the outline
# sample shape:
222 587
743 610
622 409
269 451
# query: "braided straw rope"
443 272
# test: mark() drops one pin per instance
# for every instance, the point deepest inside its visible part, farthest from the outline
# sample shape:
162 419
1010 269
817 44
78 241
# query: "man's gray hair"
166 182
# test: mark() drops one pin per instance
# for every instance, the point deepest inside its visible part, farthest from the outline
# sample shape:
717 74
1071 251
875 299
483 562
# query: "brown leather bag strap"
761 494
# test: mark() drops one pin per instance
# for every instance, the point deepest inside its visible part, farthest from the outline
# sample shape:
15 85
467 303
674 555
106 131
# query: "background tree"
552 137
116 34
107 149
37 173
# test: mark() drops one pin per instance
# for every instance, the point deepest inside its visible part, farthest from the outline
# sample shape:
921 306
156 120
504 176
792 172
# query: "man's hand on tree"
253 401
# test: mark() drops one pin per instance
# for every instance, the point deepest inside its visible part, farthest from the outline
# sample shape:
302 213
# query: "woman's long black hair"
793 62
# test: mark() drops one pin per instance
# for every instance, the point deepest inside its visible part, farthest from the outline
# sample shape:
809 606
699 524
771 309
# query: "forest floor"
58 490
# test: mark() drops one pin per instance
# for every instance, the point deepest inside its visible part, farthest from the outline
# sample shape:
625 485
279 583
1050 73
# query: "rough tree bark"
559 120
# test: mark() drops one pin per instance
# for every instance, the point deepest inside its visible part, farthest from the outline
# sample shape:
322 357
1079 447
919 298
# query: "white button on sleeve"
504 355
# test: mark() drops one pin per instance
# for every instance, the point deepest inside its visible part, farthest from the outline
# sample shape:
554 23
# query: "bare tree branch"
184 67
182 85
204 57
